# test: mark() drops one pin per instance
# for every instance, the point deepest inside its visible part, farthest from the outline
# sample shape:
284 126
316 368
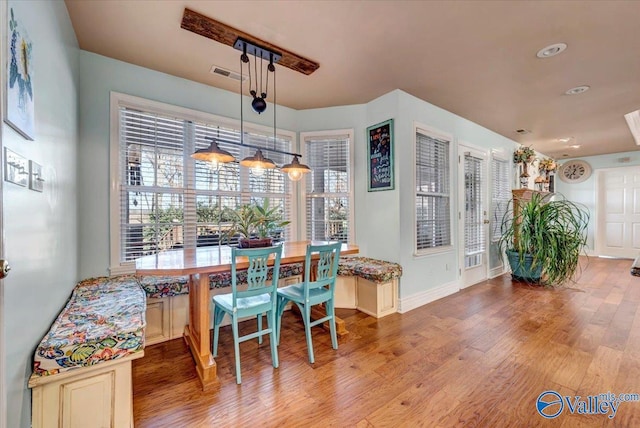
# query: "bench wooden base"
94 396
377 300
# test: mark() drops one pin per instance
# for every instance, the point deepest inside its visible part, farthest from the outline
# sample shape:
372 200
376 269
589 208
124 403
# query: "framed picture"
380 156
19 105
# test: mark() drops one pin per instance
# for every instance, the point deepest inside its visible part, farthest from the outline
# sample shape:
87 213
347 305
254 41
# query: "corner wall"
41 228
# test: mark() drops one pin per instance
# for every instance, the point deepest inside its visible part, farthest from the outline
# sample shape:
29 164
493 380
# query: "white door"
474 220
618 212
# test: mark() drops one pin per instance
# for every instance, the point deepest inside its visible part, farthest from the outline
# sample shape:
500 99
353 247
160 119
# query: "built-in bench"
82 367
635 267
168 300
369 285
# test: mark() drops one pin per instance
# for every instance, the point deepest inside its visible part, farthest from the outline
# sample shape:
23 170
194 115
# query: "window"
162 198
329 194
501 170
500 193
433 204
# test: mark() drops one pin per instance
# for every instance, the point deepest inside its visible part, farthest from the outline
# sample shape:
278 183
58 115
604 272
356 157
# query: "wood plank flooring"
479 357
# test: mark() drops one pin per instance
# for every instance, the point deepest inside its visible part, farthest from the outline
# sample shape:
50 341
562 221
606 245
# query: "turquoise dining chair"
257 299
311 292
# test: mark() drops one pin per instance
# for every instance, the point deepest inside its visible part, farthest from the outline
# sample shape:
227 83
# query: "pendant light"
295 170
258 163
214 155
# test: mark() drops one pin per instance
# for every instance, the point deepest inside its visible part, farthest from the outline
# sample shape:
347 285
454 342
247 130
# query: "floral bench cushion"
165 286
378 271
103 320
223 279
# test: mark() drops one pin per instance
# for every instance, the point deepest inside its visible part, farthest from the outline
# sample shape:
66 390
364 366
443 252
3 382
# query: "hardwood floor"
480 357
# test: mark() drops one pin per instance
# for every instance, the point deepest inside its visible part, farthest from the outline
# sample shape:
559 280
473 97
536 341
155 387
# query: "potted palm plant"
254 225
543 238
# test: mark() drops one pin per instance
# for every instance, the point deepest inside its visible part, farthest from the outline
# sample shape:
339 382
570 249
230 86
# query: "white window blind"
500 194
474 235
433 207
168 200
328 193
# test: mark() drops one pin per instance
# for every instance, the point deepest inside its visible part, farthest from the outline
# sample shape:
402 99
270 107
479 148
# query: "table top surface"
218 258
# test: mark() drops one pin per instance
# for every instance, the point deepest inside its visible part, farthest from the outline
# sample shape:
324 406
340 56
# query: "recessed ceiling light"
564 140
578 90
523 131
551 50
575 146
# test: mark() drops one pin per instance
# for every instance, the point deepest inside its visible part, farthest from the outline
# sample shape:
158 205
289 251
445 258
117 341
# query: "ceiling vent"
523 131
227 73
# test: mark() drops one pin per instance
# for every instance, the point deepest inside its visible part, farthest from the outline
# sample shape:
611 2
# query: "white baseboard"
416 300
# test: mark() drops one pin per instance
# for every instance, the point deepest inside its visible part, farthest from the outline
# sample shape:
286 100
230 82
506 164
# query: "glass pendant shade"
295 170
213 154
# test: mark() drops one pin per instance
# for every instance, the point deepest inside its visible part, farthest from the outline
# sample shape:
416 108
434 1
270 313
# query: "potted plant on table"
255 225
544 238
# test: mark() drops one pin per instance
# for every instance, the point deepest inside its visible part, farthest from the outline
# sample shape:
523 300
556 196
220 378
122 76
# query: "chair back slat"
327 266
257 272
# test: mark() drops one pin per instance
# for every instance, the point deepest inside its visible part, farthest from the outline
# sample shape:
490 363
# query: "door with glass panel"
474 217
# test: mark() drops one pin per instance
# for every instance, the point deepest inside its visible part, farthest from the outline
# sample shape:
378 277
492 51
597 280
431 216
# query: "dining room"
138 169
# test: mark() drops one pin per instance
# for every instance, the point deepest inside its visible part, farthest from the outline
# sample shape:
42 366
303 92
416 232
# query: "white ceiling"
474 58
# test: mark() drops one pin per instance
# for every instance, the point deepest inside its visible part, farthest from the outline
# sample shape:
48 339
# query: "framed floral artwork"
19 105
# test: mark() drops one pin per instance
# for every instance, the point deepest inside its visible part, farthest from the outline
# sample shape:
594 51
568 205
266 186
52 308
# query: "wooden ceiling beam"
222 33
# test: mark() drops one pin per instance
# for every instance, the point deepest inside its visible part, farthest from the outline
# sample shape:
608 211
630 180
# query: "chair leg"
282 302
332 323
259 318
236 347
306 317
217 319
271 324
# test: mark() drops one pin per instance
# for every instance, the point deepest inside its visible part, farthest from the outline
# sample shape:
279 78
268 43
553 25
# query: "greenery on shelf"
552 232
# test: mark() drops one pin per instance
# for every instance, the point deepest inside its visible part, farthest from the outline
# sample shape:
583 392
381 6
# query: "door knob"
486 221
4 268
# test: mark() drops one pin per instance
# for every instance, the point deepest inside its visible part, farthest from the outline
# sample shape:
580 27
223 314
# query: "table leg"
197 333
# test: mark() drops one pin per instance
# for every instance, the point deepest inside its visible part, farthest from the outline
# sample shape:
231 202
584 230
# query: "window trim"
435 133
302 194
118 100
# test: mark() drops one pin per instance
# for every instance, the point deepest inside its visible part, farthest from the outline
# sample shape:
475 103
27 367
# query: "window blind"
474 235
433 207
500 194
328 193
169 200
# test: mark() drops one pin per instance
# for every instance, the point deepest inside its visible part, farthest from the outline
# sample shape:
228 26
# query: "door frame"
464 147
3 80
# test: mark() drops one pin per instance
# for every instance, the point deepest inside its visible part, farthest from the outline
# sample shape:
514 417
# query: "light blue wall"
424 273
41 228
99 76
384 219
585 192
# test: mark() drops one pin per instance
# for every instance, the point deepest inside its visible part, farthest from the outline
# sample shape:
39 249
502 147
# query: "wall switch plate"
16 168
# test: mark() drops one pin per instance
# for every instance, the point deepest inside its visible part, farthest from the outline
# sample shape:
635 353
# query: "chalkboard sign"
380 156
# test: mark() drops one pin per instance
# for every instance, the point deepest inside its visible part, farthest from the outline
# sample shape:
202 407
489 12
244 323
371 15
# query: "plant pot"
255 242
523 271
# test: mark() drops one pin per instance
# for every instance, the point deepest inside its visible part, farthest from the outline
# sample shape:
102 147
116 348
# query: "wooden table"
198 264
